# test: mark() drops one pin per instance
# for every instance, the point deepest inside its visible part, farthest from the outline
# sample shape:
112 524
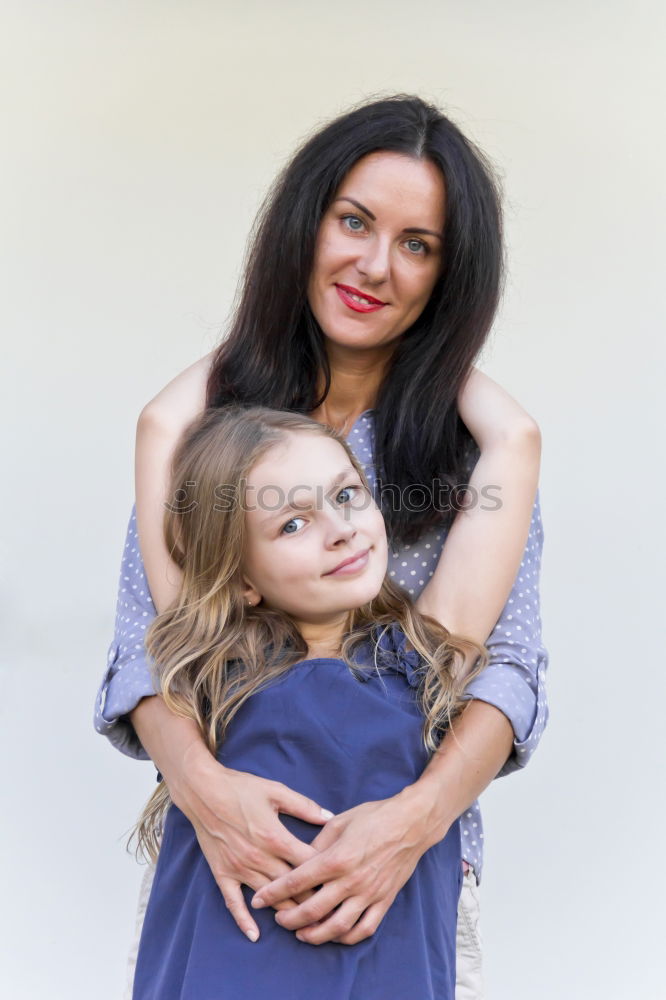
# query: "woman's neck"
355 380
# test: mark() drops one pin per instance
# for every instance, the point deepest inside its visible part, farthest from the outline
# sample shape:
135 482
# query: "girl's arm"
485 544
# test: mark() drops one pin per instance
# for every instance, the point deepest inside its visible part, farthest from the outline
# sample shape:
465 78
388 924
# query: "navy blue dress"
342 741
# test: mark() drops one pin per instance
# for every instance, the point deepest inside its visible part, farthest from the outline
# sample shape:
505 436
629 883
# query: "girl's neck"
324 639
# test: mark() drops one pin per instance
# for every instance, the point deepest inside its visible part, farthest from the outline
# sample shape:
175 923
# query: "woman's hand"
368 853
234 814
364 857
235 818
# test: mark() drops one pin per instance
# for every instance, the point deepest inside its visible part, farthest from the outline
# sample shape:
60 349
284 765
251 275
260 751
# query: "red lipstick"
369 303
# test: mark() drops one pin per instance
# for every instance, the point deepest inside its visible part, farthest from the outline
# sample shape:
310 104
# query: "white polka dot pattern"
513 681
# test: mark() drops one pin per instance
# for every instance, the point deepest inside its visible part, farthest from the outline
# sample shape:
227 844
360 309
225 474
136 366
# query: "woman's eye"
291 531
353 222
417 246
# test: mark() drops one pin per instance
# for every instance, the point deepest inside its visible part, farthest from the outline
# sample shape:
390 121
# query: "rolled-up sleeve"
514 680
127 678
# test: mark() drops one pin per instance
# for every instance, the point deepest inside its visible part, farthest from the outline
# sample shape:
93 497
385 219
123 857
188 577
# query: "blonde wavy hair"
210 650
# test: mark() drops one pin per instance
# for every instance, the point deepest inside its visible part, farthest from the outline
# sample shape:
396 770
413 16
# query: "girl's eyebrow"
336 481
371 215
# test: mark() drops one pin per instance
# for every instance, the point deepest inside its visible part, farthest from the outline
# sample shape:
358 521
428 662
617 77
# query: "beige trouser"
469 981
469 978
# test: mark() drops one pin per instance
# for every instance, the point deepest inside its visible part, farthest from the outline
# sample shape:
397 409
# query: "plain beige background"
138 138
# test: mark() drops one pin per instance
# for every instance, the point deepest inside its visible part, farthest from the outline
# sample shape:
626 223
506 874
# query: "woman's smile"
357 300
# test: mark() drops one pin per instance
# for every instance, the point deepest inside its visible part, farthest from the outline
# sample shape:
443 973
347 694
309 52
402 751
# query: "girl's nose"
340 529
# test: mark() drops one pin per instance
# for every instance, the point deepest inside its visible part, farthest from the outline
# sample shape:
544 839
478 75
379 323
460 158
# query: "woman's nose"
374 262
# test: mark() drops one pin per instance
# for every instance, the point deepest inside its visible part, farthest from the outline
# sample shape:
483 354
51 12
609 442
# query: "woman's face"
379 250
308 512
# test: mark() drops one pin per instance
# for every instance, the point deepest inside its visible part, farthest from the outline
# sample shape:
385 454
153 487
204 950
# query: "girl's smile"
351 565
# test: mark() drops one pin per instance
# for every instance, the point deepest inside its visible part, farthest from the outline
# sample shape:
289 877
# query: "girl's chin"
365 595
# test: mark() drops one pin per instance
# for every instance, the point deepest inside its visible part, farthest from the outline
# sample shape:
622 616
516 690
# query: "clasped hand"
338 888
364 857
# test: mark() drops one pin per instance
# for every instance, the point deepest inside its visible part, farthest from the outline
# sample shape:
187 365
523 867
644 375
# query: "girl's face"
379 250
308 512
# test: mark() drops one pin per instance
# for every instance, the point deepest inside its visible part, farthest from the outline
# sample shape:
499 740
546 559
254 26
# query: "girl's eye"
353 222
284 530
348 489
290 528
417 246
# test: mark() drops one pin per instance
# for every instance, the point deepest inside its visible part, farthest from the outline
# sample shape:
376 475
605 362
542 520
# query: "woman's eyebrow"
423 232
358 204
410 229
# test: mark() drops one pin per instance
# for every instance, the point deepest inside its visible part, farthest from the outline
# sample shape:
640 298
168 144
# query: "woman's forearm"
174 744
471 754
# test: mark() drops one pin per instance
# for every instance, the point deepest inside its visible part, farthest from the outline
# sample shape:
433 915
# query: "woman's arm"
161 423
485 544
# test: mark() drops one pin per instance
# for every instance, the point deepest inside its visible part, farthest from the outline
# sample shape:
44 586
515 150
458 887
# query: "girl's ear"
250 593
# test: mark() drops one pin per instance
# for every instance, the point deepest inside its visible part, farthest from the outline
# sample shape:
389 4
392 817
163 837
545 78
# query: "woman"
371 286
279 615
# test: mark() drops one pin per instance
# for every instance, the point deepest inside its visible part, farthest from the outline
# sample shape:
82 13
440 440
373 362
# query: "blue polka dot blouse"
513 681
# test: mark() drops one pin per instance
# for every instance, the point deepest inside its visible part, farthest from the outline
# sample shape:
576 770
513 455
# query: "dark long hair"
275 354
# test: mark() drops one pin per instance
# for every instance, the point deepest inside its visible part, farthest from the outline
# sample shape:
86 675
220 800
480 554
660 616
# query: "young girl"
302 663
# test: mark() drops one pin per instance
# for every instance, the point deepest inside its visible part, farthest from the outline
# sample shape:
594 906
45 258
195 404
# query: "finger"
289 848
328 835
271 870
295 804
255 862
257 881
336 925
319 906
316 872
233 897
366 926
303 896
274 844
240 858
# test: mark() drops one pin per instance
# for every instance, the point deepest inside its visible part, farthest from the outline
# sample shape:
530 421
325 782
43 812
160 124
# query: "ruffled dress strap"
388 651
